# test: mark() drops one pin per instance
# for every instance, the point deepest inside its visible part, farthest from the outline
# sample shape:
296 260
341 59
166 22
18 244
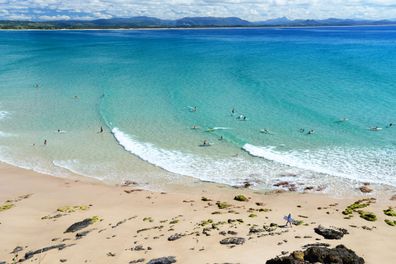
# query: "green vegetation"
206 222
367 215
95 219
241 198
358 205
390 222
148 219
174 222
390 212
298 222
71 209
223 205
6 206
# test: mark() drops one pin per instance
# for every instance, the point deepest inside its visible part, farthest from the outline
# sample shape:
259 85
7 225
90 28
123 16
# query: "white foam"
223 170
371 165
4 114
318 167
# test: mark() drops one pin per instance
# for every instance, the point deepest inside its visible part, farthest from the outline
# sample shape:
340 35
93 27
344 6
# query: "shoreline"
138 224
200 28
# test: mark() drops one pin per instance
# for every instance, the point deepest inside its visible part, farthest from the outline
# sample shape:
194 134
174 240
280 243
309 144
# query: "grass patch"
241 198
367 216
363 203
390 212
223 205
72 209
6 206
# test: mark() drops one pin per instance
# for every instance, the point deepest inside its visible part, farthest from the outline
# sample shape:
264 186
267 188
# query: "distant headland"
186 22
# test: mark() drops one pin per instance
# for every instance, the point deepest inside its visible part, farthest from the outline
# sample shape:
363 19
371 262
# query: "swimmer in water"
195 127
342 120
310 132
45 142
221 138
302 130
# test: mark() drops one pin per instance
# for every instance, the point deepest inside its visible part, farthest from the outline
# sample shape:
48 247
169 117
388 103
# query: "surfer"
289 220
194 127
233 111
390 125
302 130
264 131
310 132
193 109
205 143
375 128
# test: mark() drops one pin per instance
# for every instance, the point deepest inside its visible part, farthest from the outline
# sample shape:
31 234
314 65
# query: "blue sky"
247 9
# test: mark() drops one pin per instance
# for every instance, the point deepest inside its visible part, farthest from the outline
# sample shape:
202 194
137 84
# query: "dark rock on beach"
16 250
82 234
174 237
339 254
316 254
137 261
233 241
30 254
163 260
365 189
329 233
79 225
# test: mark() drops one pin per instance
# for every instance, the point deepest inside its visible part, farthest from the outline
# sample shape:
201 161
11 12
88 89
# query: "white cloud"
247 9
59 17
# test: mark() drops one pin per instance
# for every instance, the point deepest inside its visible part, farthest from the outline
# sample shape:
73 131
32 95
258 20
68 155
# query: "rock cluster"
329 233
316 254
163 260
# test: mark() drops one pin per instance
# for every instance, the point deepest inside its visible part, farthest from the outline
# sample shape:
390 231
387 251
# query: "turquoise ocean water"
140 86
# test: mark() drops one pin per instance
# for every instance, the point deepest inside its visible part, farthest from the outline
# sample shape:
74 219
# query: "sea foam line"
312 167
4 114
221 170
370 165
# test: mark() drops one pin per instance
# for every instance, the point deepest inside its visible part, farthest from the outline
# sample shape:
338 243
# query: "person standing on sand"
289 220
101 130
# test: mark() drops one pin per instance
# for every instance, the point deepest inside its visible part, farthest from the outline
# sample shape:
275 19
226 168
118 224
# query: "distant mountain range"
186 22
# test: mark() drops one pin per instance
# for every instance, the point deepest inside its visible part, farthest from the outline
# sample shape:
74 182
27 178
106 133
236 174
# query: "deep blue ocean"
313 106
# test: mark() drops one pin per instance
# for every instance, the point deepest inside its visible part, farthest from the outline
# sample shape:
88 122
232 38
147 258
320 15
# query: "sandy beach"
130 225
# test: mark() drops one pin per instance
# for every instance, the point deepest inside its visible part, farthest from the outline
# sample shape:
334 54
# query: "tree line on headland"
186 22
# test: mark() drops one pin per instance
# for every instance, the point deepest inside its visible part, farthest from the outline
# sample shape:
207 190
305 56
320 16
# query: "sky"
253 10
